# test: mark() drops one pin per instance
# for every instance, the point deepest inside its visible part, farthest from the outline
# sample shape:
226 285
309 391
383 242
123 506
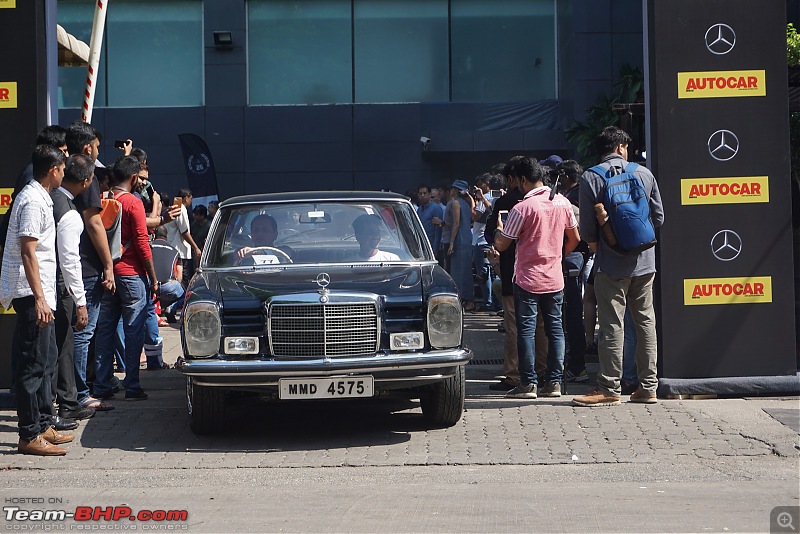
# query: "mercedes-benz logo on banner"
723 145
726 245
720 39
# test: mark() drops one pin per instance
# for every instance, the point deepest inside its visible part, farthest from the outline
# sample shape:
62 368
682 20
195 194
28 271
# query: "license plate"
326 388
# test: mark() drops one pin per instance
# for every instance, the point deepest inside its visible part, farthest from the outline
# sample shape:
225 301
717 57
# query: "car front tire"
206 408
443 403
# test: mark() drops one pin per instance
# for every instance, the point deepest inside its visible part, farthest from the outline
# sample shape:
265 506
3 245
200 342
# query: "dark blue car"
321 295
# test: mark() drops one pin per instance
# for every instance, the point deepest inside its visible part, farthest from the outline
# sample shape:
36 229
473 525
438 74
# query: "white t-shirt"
384 256
175 230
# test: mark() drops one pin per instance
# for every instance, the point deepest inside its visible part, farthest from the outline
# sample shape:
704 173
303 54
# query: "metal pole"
95 47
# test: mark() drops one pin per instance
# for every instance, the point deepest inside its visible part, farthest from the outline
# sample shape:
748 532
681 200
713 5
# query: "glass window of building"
401 51
503 50
152 54
299 52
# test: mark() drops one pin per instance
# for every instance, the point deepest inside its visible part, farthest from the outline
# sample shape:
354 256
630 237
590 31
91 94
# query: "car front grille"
319 330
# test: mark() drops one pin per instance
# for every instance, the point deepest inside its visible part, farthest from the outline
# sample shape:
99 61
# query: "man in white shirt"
78 176
368 234
28 282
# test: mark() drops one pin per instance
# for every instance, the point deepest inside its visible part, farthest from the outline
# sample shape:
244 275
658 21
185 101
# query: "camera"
119 143
426 142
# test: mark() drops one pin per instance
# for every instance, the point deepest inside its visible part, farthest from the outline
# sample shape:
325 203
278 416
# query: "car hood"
398 284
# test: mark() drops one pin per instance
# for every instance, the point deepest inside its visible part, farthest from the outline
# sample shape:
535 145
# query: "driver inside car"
263 231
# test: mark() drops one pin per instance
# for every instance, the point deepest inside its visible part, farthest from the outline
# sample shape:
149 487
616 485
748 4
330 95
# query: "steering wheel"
281 255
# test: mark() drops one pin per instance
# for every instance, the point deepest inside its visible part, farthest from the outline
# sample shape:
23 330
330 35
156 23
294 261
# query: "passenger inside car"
367 229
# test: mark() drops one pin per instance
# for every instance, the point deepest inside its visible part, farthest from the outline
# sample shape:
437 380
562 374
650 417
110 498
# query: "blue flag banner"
200 171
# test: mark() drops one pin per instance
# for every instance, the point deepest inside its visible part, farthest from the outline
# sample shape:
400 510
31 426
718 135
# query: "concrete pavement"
375 466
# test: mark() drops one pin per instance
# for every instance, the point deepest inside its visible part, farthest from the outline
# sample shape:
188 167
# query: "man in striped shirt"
545 228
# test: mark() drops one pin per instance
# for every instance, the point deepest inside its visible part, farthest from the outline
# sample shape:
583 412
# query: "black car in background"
321 295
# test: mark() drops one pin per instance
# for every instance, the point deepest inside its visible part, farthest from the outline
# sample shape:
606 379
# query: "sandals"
97 405
164 365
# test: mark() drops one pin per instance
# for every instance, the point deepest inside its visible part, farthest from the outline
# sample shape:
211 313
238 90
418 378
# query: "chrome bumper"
394 368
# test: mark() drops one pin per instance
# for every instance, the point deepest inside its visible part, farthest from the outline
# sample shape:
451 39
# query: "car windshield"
316 232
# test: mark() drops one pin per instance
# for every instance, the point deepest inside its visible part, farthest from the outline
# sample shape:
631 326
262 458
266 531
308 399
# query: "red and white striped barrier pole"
95 47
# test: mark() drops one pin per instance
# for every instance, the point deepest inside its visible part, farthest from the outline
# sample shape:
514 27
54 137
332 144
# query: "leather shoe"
63 423
38 446
78 413
55 437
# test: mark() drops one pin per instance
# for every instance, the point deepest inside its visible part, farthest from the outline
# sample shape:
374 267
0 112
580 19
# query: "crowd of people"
527 235
85 283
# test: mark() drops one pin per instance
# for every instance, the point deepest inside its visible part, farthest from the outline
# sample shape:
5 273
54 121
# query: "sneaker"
598 397
503 385
583 376
135 395
628 388
643 397
523 392
551 390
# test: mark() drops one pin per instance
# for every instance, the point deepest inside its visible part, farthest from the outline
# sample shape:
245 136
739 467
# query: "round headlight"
444 321
202 329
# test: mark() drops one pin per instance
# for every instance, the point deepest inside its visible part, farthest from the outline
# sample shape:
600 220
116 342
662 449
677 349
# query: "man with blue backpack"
620 208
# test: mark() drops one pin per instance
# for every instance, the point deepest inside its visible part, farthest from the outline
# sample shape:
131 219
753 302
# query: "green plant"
629 88
792 46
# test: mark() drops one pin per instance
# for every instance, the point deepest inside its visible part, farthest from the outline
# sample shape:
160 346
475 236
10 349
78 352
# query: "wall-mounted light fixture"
223 40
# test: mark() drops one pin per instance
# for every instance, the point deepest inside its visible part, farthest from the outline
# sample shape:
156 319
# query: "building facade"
338 94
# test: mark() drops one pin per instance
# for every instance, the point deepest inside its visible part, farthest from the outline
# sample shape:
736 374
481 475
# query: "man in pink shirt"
131 272
545 229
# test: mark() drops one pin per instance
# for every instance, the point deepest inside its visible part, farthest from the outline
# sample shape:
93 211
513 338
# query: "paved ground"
508 465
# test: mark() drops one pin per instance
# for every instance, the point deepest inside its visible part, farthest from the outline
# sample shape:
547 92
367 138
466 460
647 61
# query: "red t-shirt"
134 237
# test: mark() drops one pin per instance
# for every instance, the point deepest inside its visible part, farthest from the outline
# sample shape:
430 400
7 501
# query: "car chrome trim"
333 300
319 367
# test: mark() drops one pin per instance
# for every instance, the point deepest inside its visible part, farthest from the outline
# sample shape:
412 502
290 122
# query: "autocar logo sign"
720 39
723 145
323 279
726 245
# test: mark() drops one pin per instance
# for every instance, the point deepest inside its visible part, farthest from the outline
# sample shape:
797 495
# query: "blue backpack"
628 207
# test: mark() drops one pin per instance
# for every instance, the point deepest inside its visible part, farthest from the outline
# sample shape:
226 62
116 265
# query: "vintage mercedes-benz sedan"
324 296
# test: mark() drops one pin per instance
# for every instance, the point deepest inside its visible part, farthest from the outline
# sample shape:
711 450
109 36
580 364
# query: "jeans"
36 352
153 342
484 274
629 351
528 306
613 296
129 302
82 338
573 312
171 295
